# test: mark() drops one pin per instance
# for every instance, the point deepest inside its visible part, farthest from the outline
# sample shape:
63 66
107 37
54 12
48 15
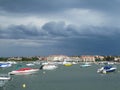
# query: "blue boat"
106 69
2 65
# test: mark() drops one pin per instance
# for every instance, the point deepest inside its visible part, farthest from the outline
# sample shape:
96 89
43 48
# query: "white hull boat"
106 69
86 65
5 77
48 67
23 71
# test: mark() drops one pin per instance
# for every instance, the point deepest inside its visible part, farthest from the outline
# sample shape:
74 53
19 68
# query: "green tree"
3 59
109 58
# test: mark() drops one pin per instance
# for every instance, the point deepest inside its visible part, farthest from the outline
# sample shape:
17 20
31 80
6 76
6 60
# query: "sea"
64 78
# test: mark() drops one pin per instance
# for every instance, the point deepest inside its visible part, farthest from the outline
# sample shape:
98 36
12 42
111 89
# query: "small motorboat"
5 77
23 71
106 69
48 67
30 64
68 64
2 65
65 63
85 65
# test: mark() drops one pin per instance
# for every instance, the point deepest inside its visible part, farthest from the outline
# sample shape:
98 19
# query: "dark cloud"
36 6
57 30
91 46
45 6
18 32
70 40
106 6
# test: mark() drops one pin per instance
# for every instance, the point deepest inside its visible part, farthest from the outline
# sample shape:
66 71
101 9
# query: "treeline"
3 59
22 59
106 58
29 59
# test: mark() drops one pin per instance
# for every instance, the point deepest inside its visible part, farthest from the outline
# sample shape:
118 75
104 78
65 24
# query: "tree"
109 58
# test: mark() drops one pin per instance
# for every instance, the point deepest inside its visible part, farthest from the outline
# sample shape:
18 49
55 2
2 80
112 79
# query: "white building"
58 58
88 58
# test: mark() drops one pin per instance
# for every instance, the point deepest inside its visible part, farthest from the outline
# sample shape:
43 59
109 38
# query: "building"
58 58
15 58
88 58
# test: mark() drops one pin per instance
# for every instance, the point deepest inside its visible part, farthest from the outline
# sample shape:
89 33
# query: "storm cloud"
42 6
71 27
56 30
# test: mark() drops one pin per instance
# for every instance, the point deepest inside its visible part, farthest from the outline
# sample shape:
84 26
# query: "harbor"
62 78
59 45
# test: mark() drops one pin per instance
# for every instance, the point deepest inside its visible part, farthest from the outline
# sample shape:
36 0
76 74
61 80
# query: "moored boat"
48 67
85 65
23 71
106 69
2 65
68 64
5 77
30 64
65 63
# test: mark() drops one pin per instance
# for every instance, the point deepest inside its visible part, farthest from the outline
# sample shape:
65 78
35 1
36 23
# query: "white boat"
48 67
30 64
12 62
85 65
23 71
5 77
2 65
106 69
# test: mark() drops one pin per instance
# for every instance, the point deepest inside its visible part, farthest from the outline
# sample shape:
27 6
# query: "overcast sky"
67 27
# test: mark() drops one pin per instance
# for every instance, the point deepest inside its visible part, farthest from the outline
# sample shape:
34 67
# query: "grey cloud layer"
95 31
59 38
45 6
52 30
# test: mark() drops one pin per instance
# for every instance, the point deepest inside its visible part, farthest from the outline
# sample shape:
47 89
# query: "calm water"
65 78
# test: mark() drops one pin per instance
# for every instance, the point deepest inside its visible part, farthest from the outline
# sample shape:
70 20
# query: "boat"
48 67
23 71
65 63
68 64
30 64
106 69
5 77
2 65
85 65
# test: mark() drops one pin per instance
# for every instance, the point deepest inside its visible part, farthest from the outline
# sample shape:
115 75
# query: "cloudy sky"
67 27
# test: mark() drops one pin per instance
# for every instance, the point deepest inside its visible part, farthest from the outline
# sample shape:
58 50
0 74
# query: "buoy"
24 85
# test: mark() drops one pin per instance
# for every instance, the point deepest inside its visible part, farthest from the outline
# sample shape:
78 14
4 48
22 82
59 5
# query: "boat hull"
85 65
48 67
103 70
5 77
25 72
